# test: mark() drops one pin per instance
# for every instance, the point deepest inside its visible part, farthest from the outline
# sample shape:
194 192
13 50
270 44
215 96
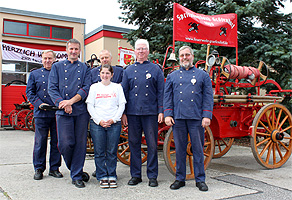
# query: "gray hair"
142 41
186 47
73 41
106 51
47 51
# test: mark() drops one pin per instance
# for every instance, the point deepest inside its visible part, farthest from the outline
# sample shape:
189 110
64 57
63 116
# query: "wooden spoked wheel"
271 136
124 154
222 146
20 119
169 153
29 121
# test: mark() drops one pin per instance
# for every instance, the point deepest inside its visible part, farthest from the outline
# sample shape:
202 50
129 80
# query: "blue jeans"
105 142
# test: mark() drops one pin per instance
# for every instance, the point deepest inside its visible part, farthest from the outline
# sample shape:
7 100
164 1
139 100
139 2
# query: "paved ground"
237 175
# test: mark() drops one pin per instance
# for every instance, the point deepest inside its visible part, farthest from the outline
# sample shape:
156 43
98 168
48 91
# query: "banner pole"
173 27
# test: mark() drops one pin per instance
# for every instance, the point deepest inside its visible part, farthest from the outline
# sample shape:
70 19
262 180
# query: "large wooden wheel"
222 146
124 154
20 119
169 153
271 136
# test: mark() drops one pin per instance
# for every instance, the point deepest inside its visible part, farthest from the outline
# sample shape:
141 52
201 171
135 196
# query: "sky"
96 12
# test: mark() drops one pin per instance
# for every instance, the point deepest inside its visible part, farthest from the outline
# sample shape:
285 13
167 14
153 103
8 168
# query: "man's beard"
186 66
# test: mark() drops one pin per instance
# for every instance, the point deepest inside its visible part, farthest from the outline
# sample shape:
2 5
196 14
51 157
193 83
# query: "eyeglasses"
184 55
142 49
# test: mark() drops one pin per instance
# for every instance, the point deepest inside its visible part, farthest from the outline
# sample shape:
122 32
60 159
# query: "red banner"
219 30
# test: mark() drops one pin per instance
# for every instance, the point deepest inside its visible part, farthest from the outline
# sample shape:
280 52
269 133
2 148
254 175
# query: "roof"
42 15
107 28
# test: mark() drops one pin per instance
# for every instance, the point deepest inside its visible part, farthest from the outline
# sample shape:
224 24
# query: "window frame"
27 30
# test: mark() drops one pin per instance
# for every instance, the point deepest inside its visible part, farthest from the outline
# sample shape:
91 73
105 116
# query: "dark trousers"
181 128
42 128
148 124
72 136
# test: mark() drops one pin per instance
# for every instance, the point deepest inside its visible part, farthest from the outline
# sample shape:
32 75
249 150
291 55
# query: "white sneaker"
113 184
104 184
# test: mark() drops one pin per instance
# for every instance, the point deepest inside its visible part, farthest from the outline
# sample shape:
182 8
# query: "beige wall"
78 33
78 30
111 44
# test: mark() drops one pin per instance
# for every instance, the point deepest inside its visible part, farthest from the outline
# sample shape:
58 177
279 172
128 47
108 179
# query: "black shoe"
94 173
85 177
55 173
38 174
78 183
202 186
177 184
134 181
153 182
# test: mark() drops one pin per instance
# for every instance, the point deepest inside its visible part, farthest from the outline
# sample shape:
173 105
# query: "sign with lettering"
219 30
13 52
126 56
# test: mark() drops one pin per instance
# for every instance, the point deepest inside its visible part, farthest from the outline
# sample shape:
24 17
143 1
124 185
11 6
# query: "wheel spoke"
273 118
283 121
274 153
262 134
219 146
269 153
143 151
172 152
268 120
284 145
284 130
279 151
206 154
278 118
122 144
224 142
125 150
263 151
265 140
265 126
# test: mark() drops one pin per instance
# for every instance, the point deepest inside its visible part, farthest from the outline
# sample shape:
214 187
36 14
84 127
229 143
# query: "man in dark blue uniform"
188 107
69 83
143 84
45 121
106 57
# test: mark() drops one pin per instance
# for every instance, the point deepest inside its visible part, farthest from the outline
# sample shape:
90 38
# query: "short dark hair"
109 67
73 41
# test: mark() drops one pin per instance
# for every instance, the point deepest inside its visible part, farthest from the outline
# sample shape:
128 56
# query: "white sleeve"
90 104
122 102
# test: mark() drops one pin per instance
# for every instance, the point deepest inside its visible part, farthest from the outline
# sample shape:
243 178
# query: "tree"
263 32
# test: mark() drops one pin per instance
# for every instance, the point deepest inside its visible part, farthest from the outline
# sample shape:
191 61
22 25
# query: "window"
62 33
17 70
15 28
37 30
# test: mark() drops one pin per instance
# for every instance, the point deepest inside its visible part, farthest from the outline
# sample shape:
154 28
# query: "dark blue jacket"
117 78
68 79
37 92
188 94
143 86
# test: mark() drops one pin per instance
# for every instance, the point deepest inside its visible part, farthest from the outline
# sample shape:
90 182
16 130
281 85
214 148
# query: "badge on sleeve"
148 75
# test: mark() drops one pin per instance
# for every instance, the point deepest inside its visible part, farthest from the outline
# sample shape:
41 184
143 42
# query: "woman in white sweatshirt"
106 104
